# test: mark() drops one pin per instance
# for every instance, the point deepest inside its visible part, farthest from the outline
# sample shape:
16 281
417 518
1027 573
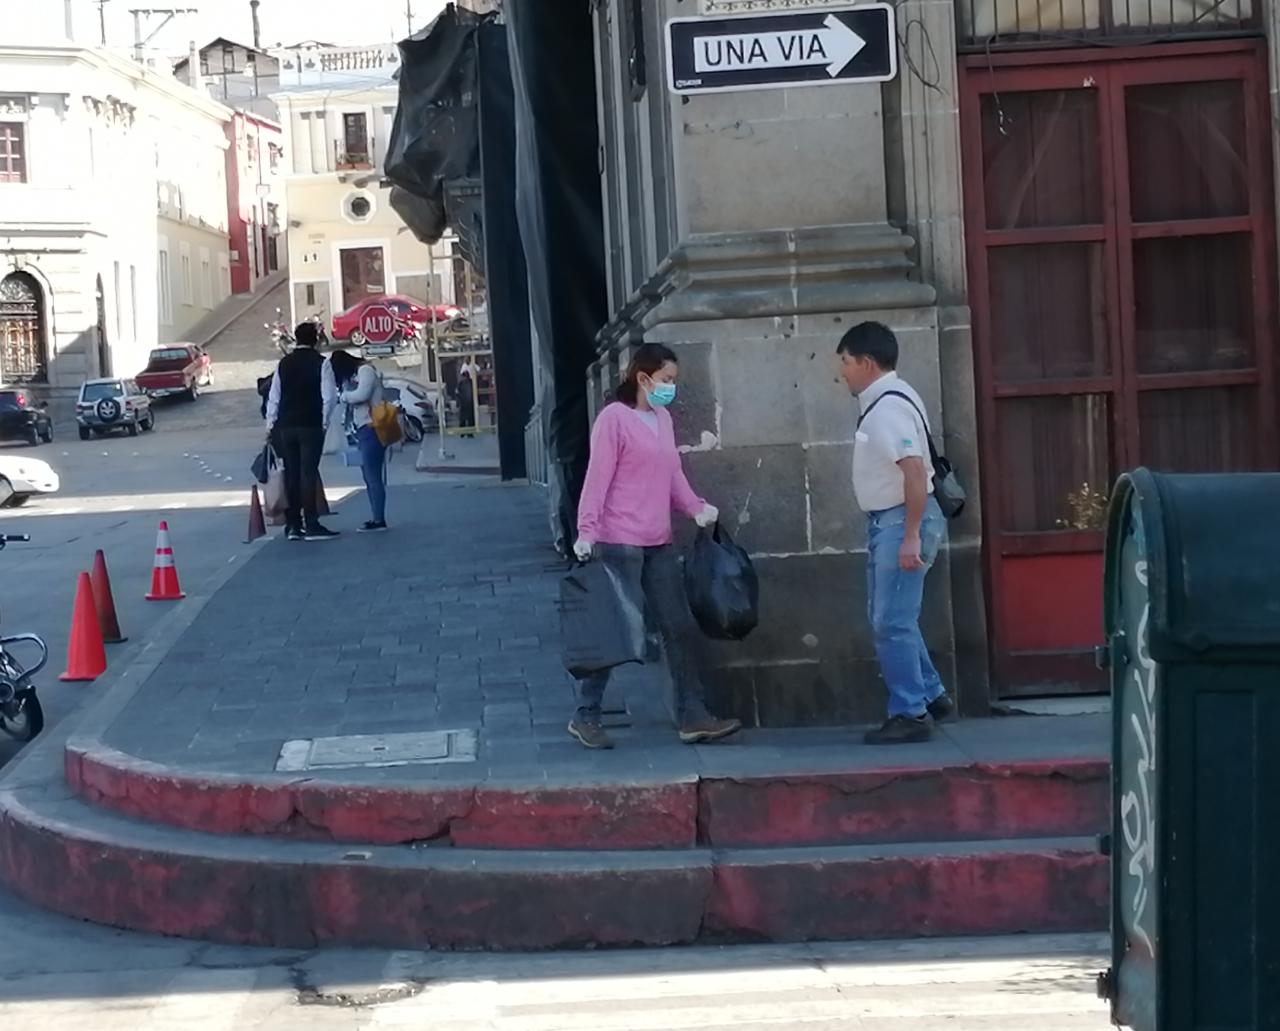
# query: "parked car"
416 401
176 369
26 477
22 417
106 405
346 325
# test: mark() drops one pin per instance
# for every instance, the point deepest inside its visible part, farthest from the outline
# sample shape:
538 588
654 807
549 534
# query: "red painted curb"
629 816
920 896
957 803
62 855
1036 799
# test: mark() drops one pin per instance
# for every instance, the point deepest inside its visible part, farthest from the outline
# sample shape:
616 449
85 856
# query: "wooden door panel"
1120 238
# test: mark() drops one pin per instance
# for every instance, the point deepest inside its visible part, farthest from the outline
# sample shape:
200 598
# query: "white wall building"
113 212
337 107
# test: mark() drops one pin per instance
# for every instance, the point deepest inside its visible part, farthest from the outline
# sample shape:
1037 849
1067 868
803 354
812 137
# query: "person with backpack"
634 479
360 388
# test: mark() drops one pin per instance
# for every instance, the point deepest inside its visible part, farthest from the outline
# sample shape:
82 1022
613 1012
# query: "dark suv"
22 417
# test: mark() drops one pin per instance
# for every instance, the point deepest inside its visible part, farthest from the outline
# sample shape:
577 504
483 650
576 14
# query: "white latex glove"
709 516
582 550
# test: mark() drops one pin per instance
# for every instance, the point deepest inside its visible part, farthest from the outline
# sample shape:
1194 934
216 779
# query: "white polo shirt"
891 432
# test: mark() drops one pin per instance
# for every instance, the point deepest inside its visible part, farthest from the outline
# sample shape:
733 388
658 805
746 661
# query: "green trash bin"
1193 648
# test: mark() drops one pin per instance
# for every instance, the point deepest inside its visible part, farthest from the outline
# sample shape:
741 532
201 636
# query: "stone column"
785 241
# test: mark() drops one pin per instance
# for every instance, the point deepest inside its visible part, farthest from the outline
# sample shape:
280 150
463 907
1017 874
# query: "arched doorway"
104 345
24 357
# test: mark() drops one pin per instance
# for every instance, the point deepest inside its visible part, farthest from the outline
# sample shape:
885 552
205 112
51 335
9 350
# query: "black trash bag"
722 586
601 620
263 464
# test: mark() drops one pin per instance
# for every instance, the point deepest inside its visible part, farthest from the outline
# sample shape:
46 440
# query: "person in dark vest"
302 399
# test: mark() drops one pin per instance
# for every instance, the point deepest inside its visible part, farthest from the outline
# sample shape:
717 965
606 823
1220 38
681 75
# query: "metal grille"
22 352
1001 23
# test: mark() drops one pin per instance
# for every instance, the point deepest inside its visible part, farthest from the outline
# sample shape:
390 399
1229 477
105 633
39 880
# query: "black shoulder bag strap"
946 487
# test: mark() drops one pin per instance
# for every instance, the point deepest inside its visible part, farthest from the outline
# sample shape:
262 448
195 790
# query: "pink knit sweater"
634 480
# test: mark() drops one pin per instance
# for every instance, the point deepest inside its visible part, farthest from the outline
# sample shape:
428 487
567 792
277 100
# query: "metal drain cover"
375 750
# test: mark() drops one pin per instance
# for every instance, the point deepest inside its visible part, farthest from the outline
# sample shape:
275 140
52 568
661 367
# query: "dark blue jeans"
657 570
373 463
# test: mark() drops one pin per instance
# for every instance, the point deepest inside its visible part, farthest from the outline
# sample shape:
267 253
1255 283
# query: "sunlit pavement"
63 974
193 471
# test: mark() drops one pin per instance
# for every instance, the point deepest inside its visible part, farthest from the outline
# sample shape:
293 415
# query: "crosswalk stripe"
211 1000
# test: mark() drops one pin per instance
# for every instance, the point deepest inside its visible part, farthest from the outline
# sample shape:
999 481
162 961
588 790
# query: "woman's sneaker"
697 732
372 526
589 735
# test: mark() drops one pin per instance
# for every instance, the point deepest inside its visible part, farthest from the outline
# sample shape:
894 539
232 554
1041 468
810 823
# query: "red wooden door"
1120 239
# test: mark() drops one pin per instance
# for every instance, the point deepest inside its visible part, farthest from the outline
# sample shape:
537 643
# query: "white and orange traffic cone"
164 574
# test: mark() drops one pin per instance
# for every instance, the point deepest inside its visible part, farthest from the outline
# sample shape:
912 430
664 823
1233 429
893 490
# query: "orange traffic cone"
104 602
257 524
164 574
86 657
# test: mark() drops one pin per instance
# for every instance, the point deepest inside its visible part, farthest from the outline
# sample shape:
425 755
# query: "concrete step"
784 807
66 855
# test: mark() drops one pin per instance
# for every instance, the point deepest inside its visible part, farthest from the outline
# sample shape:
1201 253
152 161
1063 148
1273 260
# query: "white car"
27 476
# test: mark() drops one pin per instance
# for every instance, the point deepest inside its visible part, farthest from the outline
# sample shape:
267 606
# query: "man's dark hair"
872 340
306 335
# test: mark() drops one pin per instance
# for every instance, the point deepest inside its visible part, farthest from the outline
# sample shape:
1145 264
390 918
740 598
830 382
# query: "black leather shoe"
900 730
941 707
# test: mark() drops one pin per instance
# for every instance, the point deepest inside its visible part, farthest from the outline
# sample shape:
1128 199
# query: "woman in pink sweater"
634 480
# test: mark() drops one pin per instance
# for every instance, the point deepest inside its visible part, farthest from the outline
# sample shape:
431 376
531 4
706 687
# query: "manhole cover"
371 750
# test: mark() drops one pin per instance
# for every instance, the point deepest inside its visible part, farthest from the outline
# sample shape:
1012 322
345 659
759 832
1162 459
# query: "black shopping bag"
601 620
721 583
263 464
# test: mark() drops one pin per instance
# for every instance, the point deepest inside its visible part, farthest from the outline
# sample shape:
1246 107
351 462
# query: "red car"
176 369
346 325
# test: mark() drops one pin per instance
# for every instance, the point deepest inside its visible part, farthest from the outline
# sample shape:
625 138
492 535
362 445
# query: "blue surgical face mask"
662 394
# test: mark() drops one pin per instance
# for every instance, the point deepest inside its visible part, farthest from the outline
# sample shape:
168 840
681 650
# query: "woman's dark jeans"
657 571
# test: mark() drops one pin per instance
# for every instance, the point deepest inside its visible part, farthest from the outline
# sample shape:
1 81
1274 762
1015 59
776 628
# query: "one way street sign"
810 48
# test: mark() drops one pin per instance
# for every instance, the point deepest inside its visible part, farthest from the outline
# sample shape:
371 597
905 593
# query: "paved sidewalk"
450 622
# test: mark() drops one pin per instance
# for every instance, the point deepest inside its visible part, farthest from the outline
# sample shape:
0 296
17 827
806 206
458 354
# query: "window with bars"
999 23
13 152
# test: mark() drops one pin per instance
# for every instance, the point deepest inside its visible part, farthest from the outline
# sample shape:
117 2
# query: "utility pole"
257 26
102 21
408 15
165 14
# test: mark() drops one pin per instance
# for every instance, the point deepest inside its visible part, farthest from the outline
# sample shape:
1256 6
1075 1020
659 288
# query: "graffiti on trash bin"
1137 805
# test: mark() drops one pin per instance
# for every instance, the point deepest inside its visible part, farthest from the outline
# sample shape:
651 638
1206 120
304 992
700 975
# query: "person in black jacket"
303 396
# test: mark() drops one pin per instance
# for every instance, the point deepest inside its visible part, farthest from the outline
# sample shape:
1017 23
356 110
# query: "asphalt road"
69 975
193 471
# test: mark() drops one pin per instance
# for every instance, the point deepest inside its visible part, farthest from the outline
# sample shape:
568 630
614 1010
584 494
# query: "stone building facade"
1075 245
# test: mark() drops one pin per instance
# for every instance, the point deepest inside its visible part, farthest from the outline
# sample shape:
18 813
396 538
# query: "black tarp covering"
436 135
506 277
558 203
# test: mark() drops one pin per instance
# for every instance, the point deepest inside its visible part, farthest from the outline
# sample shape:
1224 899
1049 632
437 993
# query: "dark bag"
722 586
264 393
264 463
601 620
947 491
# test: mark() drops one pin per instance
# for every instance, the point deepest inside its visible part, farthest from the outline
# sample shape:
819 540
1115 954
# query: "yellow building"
346 243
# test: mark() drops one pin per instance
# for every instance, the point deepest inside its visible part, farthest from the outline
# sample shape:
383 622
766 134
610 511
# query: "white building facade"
113 213
346 243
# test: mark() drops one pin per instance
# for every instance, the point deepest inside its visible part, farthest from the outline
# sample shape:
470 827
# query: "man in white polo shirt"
893 484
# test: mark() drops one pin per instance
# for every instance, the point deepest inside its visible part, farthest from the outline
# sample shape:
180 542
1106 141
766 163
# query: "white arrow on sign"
833 45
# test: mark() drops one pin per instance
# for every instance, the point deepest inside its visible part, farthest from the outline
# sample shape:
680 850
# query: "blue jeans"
373 463
893 606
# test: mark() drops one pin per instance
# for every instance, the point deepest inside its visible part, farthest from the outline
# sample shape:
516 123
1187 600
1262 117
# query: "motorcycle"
283 338
281 334
21 716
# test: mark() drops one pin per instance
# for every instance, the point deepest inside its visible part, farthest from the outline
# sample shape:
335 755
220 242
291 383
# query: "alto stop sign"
378 324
